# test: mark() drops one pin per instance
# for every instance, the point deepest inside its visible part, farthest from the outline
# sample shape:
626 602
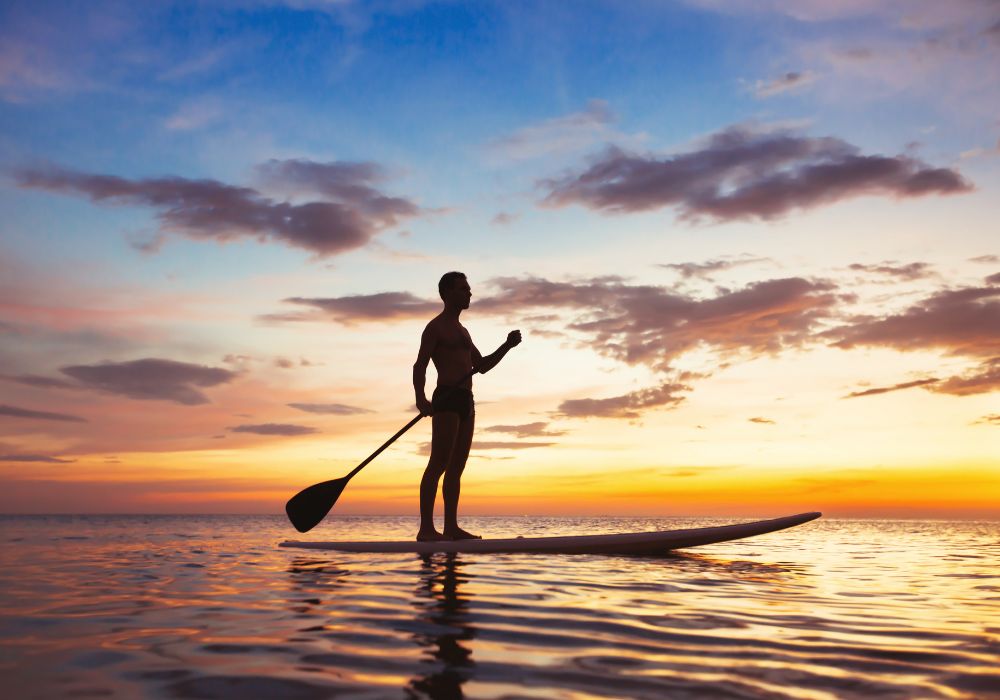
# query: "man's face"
461 294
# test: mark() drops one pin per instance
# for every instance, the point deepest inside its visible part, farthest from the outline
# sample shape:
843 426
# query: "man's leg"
445 428
453 479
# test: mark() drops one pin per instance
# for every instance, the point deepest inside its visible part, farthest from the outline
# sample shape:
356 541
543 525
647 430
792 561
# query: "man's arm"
485 364
428 339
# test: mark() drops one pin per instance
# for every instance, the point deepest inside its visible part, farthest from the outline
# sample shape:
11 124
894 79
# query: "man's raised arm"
485 364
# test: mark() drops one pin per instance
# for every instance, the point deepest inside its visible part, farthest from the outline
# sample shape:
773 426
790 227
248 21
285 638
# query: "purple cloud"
894 387
151 379
910 271
743 174
16 412
625 406
283 429
641 324
706 269
526 430
349 183
35 458
384 306
211 210
962 322
336 409
787 82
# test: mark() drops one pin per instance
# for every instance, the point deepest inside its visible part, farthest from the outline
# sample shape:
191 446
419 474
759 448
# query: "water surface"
210 607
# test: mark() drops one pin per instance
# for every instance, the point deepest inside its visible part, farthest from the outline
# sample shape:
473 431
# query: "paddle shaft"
402 430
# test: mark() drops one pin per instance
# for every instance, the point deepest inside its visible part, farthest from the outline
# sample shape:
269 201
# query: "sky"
752 248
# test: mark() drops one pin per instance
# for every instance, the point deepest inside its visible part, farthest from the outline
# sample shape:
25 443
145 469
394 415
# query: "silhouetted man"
449 345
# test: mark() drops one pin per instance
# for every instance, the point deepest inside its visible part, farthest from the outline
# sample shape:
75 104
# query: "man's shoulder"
434 324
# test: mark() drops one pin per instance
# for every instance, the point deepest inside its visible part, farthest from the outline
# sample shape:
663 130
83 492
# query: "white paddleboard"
630 543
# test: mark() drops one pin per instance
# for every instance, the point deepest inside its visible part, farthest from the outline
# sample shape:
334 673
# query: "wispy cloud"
425 447
787 82
333 409
761 421
383 306
705 270
35 458
630 405
526 430
909 271
18 412
895 387
351 215
195 114
569 133
741 173
151 379
275 429
962 322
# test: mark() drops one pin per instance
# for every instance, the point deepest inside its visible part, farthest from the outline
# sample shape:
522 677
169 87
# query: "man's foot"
431 535
457 533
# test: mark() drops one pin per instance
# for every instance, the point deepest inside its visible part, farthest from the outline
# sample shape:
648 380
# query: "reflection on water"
441 606
210 608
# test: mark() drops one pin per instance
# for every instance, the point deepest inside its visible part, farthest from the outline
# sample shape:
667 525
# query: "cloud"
17 412
211 210
706 269
195 114
558 135
351 183
740 174
894 387
761 421
35 458
787 82
425 447
991 419
625 406
337 409
151 379
910 271
504 219
651 325
526 430
986 259
979 380
384 306
284 429
963 322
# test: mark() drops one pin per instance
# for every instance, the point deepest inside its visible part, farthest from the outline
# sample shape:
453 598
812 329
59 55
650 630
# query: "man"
449 345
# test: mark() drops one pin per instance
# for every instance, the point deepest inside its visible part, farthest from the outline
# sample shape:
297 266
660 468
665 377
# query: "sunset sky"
753 248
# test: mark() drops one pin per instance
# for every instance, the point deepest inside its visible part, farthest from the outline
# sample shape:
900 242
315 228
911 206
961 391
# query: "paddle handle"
413 422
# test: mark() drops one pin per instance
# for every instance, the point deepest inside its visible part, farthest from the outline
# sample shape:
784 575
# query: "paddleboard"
628 543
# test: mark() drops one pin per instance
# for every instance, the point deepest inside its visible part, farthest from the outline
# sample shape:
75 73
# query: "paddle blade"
309 506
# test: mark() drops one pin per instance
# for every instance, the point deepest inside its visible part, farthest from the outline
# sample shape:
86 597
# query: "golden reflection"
444 613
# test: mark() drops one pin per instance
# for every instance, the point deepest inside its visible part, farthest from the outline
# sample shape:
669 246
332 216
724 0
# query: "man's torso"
452 354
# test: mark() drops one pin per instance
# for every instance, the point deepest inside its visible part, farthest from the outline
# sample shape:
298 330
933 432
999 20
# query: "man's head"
454 290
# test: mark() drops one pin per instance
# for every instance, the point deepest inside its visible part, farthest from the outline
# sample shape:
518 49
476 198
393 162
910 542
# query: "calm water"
209 607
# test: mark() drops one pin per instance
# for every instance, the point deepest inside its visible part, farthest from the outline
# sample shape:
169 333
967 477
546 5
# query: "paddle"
310 505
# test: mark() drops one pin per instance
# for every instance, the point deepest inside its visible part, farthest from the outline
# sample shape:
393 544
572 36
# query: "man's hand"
424 406
513 339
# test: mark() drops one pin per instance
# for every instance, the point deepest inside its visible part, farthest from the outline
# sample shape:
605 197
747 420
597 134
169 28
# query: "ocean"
210 607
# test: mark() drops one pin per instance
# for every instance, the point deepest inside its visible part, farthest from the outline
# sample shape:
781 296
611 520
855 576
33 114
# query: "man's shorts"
454 400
